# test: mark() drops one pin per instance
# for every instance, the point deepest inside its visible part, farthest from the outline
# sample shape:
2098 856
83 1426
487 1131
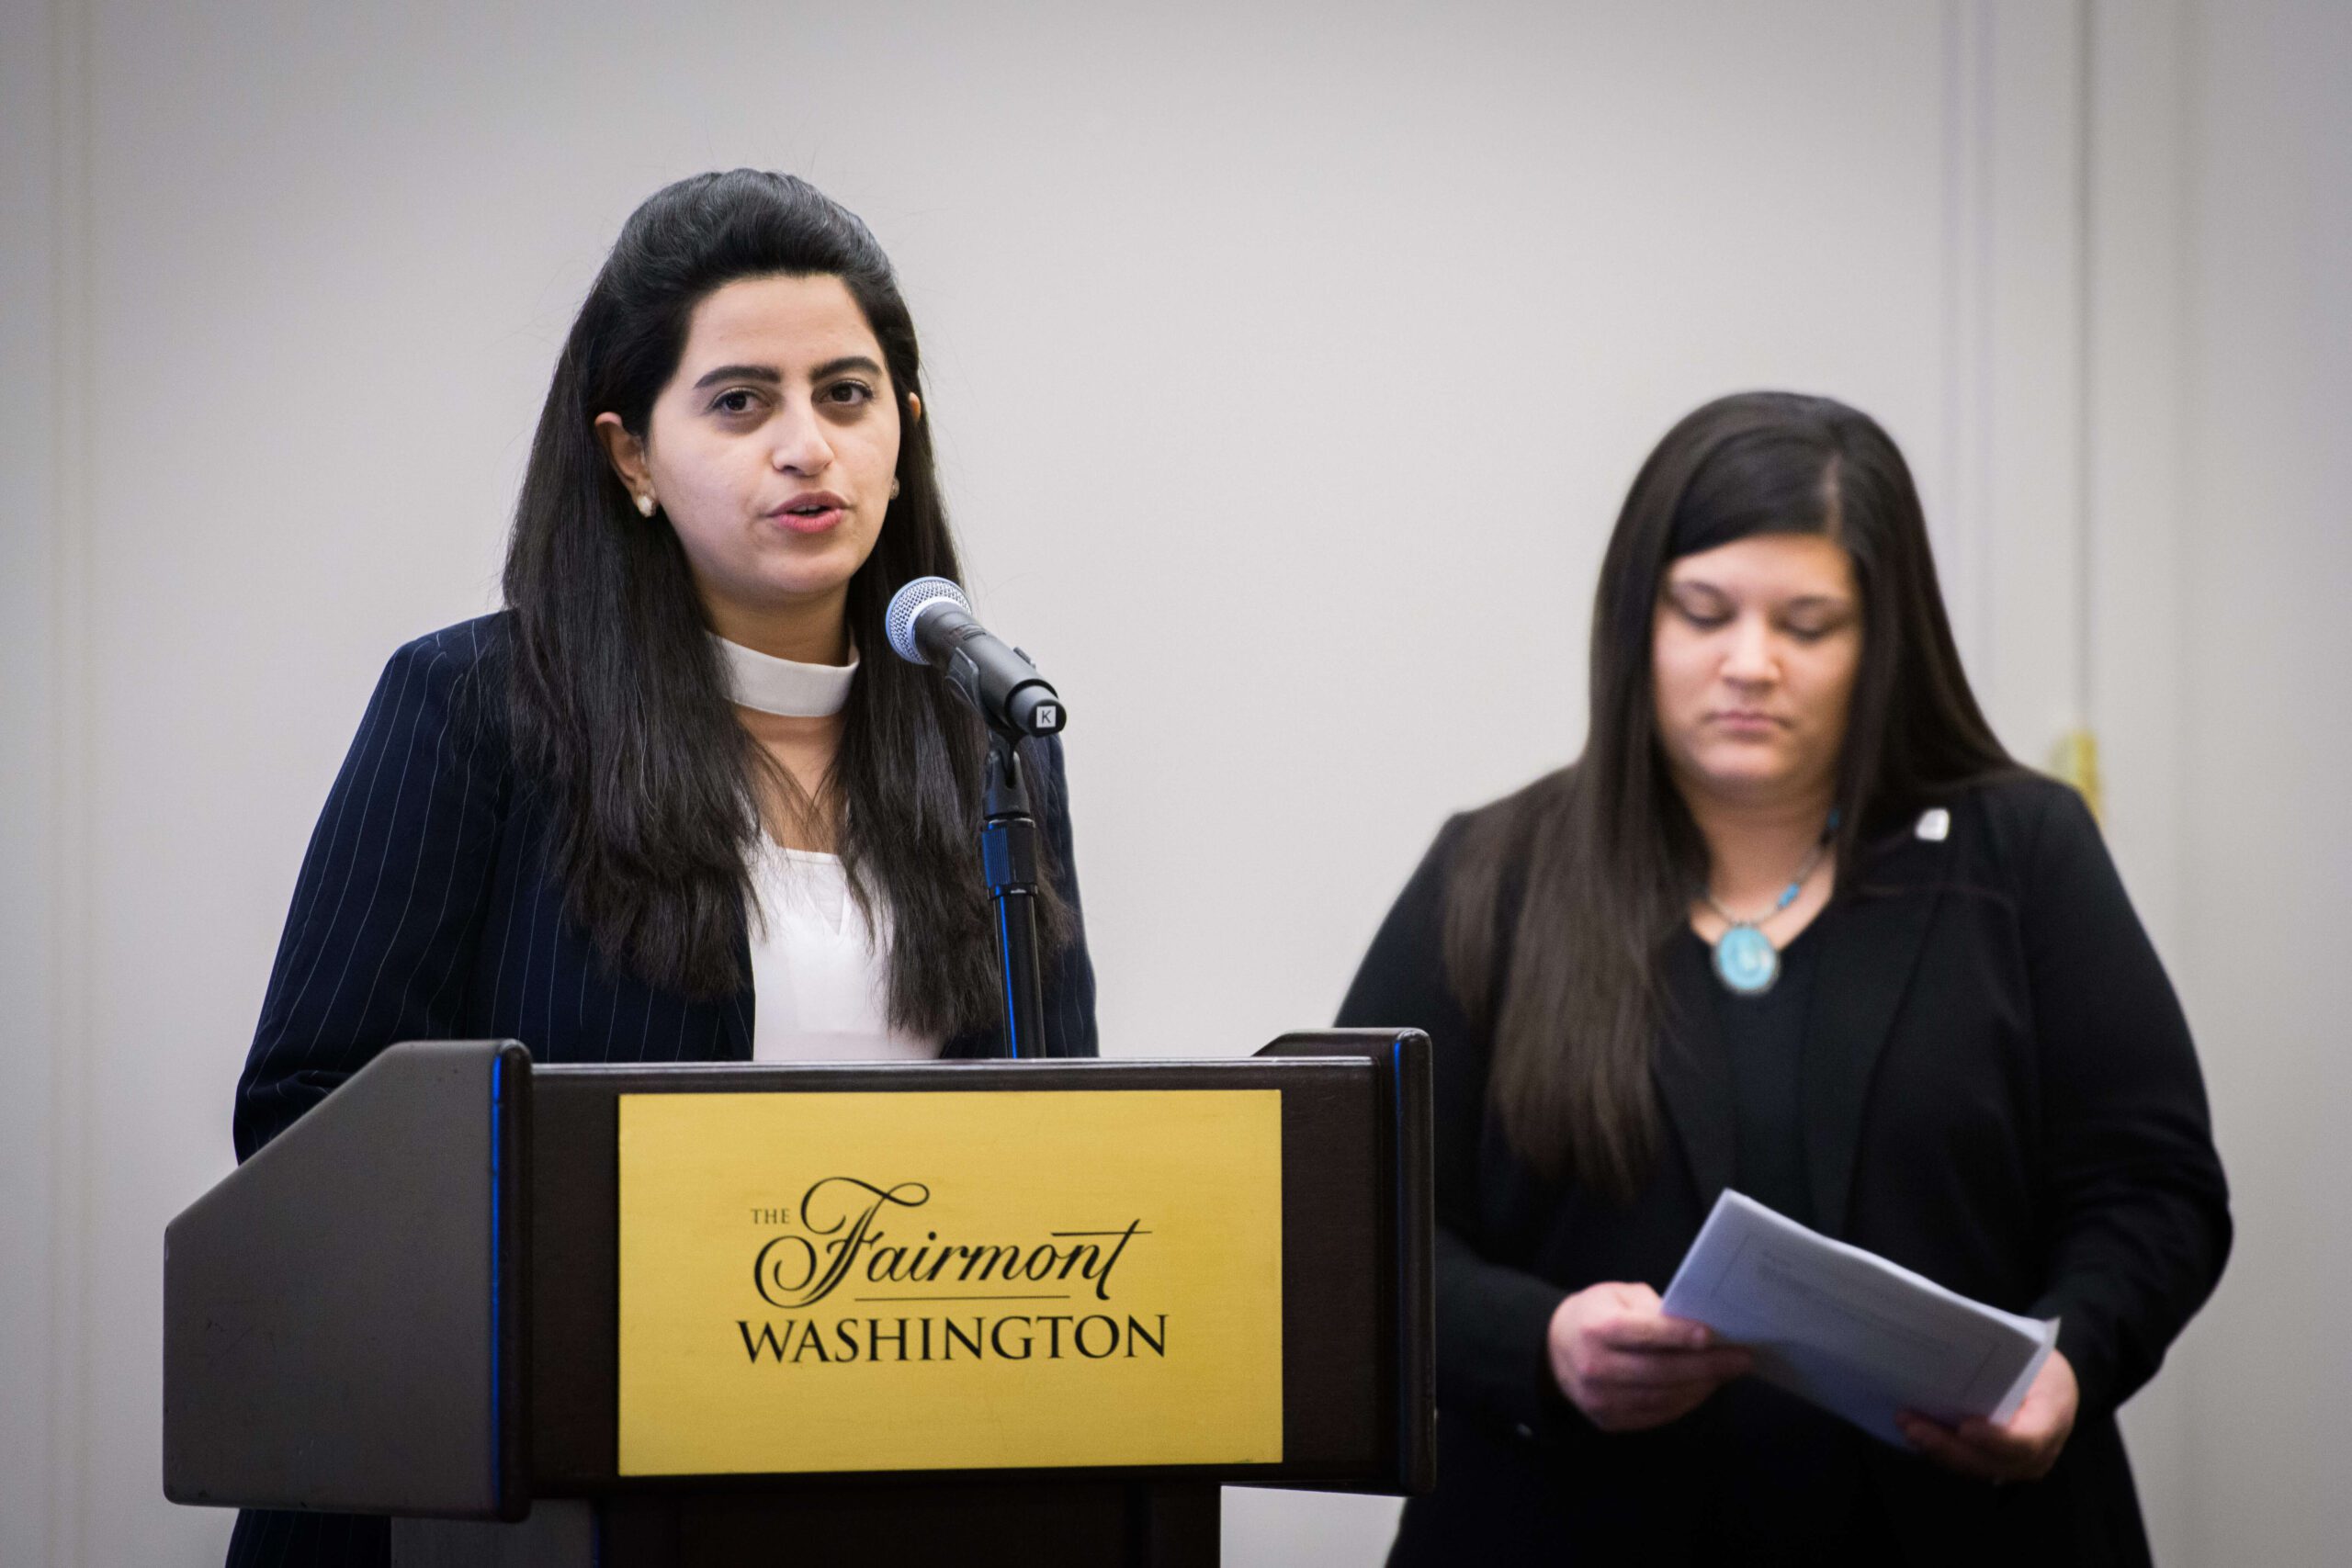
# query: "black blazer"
425 911
1997 1090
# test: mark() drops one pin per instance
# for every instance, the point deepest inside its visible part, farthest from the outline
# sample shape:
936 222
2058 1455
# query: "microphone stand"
1009 860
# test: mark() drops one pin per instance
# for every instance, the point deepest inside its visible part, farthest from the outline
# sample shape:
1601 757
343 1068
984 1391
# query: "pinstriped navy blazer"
425 910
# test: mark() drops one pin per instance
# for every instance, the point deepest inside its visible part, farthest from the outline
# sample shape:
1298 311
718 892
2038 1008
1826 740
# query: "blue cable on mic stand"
1008 861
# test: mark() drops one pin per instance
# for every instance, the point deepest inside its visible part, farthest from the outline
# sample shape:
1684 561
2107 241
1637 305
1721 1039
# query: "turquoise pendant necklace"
1746 961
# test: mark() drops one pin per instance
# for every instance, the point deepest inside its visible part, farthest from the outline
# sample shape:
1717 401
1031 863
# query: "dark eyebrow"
771 375
767 373
1802 602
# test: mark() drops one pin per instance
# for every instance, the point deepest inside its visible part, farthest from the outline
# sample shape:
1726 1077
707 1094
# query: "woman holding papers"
1793 924
676 802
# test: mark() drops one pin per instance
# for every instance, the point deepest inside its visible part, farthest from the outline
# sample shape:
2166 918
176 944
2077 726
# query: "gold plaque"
966 1280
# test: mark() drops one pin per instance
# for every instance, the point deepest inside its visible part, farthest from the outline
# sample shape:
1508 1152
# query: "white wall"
2127 616
1332 334
2265 638
44 1230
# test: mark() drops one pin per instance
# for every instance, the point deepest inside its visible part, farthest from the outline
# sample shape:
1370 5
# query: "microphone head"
899 621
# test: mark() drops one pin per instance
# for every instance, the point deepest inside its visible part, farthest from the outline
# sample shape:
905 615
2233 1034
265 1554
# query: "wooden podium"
413 1303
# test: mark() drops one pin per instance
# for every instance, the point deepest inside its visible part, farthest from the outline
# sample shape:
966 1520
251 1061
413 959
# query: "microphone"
930 621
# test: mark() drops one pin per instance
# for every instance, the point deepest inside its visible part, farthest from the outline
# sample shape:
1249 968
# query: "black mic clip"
1010 695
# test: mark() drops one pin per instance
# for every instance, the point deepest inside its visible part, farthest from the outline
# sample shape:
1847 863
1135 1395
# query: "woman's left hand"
2023 1448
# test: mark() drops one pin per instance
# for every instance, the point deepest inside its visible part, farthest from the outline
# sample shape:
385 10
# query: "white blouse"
819 977
820 986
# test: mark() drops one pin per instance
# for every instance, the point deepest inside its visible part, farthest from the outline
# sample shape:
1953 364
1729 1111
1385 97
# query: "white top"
819 978
819 988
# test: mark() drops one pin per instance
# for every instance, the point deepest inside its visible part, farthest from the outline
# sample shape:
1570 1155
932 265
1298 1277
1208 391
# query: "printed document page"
1850 1331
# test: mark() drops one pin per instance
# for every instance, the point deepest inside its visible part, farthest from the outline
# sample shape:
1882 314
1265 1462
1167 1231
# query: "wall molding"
2007 523
72 781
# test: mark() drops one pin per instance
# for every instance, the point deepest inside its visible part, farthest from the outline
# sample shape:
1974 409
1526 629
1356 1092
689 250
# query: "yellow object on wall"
966 1280
2076 759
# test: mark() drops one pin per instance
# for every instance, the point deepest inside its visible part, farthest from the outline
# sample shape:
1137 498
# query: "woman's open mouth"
811 512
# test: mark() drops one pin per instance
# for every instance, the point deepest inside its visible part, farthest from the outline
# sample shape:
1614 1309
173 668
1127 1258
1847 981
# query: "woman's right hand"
1628 1366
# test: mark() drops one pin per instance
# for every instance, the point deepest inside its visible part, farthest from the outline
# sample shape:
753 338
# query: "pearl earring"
645 504
894 489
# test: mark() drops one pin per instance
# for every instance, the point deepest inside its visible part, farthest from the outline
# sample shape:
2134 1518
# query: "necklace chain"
1788 895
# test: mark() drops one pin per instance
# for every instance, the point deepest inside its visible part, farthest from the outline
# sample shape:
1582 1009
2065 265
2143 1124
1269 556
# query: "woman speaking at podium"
1793 923
676 802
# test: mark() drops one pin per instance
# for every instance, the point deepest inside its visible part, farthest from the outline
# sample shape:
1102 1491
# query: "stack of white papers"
1856 1335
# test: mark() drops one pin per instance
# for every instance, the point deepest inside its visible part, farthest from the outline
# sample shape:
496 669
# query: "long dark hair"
1600 862
621 708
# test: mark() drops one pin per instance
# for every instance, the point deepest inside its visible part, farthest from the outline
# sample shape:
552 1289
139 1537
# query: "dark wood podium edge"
510 1179
1401 1060
218 1362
